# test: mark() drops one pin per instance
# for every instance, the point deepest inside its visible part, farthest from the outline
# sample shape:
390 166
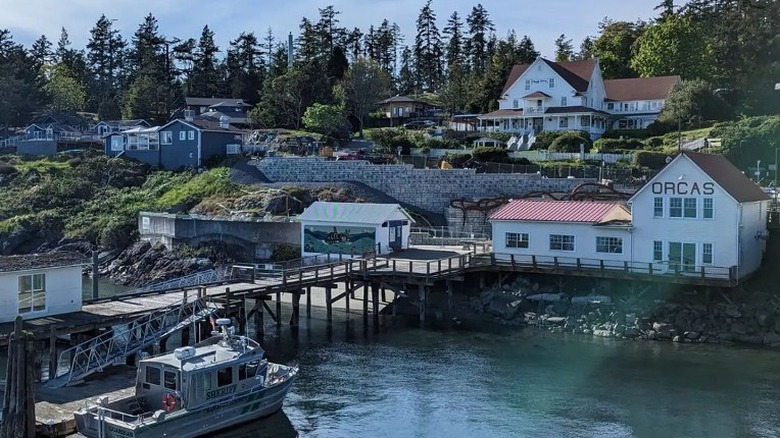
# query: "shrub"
284 252
491 155
7 169
388 140
611 145
570 142
653 160
117 234
545 138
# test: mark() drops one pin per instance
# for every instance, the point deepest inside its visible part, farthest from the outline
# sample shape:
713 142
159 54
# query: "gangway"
114 346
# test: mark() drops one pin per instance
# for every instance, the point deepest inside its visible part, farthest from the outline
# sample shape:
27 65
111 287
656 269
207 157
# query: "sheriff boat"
219 382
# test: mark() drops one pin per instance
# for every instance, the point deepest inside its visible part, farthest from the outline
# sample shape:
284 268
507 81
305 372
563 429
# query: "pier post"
296 308
258 319
365 304
328 302
185 336
278 309
347 288
163 344
449 302
308 301
37 360
52 352
242 317
421 292
95 274
481 281
227 301
18 399
375 299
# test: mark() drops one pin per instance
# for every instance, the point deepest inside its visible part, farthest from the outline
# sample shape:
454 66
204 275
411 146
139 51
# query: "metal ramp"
114 346
198 278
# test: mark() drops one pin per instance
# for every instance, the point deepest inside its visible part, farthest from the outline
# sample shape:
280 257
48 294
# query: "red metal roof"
561 211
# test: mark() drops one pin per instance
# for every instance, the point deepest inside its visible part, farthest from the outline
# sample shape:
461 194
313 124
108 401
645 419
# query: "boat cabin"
199 375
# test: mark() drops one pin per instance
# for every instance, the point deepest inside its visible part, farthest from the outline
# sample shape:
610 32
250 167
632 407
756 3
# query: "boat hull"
189 423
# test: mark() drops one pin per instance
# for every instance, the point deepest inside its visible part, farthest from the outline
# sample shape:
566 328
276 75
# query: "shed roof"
535 210
350 212
55 259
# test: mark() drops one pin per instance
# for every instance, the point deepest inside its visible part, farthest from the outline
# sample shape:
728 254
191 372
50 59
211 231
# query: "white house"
700 211
571 95
40 285
353 228
700 216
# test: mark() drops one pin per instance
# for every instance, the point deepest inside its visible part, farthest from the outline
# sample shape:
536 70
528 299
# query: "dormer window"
551 82
563 101
515 103
527 84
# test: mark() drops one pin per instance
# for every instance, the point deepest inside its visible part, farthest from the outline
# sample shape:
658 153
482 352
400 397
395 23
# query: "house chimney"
224 122
188 115
290 50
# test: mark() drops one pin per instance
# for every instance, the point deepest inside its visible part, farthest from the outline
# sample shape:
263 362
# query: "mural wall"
334 240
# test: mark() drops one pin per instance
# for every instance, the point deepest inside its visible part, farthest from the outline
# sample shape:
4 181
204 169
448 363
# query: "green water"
405 382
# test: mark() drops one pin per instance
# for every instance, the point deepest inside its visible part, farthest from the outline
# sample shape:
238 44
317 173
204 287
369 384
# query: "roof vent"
224 122
189 115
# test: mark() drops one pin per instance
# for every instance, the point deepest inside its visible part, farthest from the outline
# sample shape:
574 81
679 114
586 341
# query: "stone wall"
428 189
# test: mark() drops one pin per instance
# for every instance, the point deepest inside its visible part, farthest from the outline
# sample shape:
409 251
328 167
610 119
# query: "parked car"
419 124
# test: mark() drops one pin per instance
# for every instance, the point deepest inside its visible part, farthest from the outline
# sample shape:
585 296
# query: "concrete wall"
258 238
428 189
36 147
63 292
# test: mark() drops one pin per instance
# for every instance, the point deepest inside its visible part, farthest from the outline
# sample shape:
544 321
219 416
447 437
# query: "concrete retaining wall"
257 238
428 189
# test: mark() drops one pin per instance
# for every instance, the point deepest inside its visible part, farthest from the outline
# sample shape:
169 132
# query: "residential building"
106 127
406 107
40 285
180 143
236 109
346 229
48 134
572 95
700 216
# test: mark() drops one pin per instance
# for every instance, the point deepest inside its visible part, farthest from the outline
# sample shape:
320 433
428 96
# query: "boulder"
771 340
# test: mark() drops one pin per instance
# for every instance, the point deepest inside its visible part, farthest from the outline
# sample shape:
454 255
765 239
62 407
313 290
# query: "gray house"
180 143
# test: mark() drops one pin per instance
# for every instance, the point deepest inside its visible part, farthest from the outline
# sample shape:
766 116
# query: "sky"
543 21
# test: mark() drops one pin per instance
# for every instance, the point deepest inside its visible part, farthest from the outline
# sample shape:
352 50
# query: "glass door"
682 256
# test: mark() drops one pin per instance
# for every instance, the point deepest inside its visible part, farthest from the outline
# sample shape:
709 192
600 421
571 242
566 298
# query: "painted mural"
334 240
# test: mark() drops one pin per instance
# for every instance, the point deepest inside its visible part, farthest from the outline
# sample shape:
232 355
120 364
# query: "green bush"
118 234
545 138
285 252
612 145
652 160
491 155
570 141
7 169
388 140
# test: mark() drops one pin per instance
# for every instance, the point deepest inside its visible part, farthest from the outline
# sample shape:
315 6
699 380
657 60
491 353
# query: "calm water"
406 382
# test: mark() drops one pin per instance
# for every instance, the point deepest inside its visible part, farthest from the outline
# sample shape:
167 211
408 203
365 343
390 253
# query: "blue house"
180 143
48 134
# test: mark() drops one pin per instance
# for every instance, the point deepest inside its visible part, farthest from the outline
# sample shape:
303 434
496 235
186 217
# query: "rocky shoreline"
720 321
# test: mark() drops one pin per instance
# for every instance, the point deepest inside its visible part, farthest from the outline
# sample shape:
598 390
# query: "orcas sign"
682 188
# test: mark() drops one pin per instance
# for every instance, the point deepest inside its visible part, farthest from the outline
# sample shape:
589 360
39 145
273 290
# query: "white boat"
217 383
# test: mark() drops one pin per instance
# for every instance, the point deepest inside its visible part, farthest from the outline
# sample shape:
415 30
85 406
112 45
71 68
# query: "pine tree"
480 29
105 58
406 76
586 49
147 55
354 46
41 52
454 32
245 67
204 78
564 50
526 53
428 50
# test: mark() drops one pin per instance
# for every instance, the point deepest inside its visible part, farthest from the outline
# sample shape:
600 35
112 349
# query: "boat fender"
169 402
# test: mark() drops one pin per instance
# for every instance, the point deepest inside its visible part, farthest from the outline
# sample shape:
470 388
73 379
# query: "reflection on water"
106 287
277 425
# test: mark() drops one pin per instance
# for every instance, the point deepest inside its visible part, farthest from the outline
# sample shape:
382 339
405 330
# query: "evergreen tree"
73 60
105 59
268 46
526 53
184 58
204 78
354 46
328 31
406 76
66 94
41 52
564 50
245 67
454 32
586 49
364 84
428 50
21 88
480 30
667 9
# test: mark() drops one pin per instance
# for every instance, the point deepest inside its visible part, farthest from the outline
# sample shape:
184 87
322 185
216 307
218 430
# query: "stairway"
114 346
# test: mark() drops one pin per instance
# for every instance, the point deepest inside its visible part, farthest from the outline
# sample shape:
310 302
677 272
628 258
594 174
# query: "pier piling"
296 308
278 309
329 302
308 301
375 299
18 400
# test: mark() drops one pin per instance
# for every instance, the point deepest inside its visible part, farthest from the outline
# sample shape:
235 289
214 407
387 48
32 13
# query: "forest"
729 47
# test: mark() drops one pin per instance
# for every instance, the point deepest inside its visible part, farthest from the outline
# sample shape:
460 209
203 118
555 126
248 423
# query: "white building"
353 228
40 285
699 217
562 96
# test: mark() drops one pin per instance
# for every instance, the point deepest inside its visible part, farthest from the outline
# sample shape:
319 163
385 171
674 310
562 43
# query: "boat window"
170 380
248 370
206 381
225 376
152 375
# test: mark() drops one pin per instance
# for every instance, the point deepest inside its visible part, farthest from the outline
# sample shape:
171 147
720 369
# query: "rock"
603 333
556 320
691 335
771 340
738 328
660 326
732 311
631 332
676 338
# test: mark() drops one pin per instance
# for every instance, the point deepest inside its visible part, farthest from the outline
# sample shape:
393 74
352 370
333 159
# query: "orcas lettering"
682 188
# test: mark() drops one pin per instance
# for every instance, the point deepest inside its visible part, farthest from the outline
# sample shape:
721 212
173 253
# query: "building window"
690 208
182 135
611 245
658 251
166 137
117 143
146 223
706 253
610 106
515 103
32 293
559 242
527 84
232 149
551 82
517 240
563 122
191 135
675 207
563 101
658 207
708 212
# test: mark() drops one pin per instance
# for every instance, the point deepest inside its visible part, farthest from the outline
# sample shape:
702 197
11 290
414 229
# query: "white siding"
382 234
63 292
539 239
753 235
721 231
596 91
539 73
